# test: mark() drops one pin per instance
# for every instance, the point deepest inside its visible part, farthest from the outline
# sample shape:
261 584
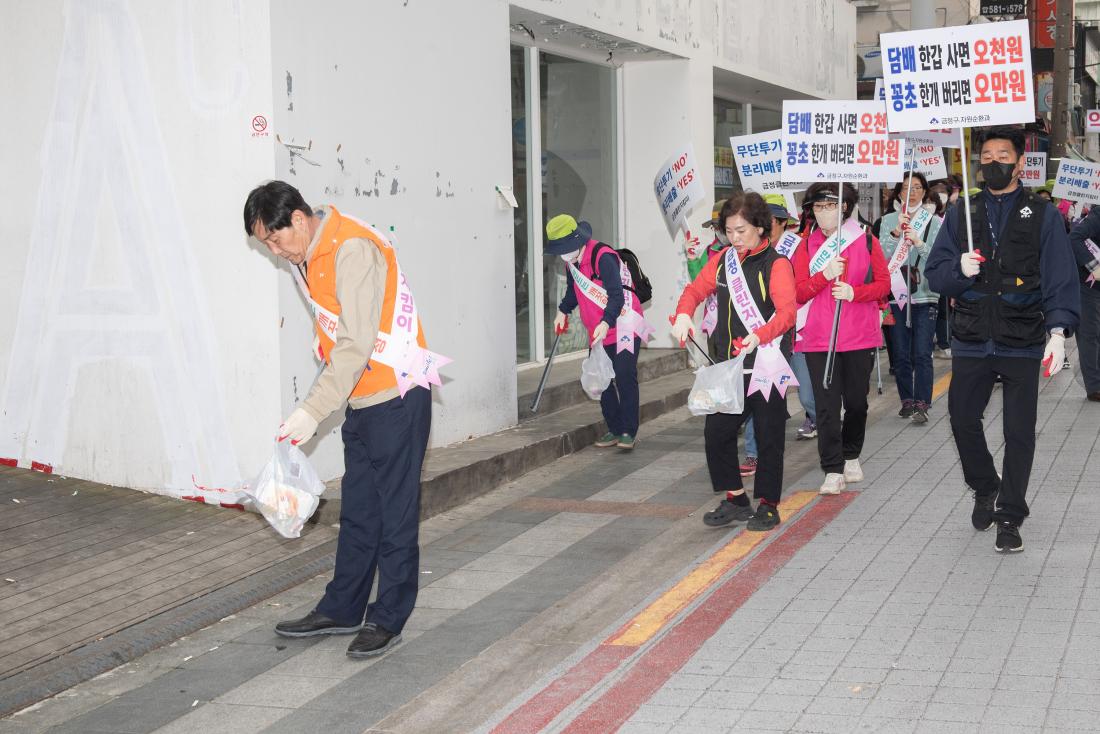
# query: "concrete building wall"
152 346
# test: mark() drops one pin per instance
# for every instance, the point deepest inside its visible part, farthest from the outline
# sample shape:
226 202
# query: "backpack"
642 288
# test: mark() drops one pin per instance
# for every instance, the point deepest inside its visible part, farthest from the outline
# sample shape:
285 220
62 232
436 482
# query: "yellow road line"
939 387
651 619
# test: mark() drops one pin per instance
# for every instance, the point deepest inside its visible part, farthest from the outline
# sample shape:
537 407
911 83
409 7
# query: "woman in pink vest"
598 262
859 280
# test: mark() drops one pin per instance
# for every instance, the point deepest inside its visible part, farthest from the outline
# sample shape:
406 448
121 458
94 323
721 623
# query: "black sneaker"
372 640
1008 538
982 516
727 512
907 408
314 624
766 517
919 415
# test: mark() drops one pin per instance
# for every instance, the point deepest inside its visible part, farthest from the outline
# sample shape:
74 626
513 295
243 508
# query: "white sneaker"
833 484
853 472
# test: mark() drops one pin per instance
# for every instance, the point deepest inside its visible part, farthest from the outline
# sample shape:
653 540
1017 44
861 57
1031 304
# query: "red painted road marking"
657 664
653 669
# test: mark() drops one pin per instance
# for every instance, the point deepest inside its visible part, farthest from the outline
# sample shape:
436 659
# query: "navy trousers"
620 401
384 449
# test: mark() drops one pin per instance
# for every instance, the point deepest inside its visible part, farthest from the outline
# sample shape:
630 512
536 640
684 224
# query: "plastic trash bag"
597 371
287 490
719 388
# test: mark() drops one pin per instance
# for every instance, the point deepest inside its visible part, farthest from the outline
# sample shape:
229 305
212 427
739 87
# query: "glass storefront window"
764 120
524 335
729 120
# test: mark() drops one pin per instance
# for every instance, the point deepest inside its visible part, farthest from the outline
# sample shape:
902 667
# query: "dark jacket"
1061 298
1087 229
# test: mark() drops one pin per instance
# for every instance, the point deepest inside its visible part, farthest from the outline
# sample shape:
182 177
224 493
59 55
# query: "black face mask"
997 175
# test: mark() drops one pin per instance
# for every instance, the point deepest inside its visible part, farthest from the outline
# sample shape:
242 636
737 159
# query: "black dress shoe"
372 640
1094 396
313 624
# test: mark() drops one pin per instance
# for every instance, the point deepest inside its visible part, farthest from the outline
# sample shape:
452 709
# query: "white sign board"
678 187
928 159
946 138
958 76
838 140
1092 121
1034 174
758 159
1077 181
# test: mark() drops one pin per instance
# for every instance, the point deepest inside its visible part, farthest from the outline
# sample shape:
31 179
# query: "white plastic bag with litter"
287 490
719 388
597 371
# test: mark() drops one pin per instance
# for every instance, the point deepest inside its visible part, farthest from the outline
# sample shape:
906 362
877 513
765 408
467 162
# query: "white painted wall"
151 342
141 326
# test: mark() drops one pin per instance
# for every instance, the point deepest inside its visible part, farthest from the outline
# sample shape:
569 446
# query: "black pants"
840 439
380 512
971 385
720 434
620 401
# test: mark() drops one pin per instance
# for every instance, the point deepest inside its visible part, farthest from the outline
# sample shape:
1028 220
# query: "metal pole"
545 374
878 370
704 352
966 188
830 358
1063 81
908 192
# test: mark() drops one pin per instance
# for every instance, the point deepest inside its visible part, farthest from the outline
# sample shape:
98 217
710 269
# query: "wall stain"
289 92
393 187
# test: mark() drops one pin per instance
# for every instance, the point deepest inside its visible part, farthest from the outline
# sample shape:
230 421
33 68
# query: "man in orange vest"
361 304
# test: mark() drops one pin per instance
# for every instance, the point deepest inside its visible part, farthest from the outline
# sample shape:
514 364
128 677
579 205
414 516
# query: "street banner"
1034 174
678 187
958 76
1092 121
928 160
838 141
1077 181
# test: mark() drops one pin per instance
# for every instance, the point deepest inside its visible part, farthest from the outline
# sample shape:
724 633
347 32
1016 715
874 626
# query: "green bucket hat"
564 234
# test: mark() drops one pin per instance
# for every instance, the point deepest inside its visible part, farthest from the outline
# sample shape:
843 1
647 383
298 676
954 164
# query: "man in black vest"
1018 286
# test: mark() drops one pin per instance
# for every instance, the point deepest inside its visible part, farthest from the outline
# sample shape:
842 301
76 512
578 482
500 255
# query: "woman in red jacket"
858 278
767 277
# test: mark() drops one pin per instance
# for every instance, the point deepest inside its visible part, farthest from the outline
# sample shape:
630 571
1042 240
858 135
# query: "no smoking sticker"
259 126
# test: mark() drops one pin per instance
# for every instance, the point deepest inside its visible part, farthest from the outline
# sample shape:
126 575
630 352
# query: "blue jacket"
1057 268
1087 229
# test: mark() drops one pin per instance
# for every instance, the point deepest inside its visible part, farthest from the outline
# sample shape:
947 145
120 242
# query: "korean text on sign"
678 187
834 141
759 162
1034 173
958 76
1077 181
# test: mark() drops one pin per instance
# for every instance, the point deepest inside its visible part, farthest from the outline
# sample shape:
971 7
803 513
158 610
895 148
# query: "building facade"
151 345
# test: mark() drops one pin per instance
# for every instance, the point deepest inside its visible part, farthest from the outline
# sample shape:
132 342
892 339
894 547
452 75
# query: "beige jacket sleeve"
360 288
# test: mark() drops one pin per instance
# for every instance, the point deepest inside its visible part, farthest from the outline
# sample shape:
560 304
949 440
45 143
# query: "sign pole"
830 359
908 191
966 188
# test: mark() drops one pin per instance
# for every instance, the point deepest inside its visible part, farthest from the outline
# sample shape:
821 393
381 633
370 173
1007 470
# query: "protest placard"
1092 121
958 76
1034 173
678 187
759 163
838 141
1077 181
928 159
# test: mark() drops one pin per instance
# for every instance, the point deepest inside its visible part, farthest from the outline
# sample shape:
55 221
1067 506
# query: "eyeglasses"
825 206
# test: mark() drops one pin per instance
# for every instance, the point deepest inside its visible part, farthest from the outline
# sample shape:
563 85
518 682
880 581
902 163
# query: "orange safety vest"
321 279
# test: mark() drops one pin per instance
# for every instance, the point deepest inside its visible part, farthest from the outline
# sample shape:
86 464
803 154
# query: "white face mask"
828 219
722 238
571 257
943 197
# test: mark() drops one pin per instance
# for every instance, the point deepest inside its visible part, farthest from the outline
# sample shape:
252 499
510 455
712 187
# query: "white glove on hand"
970 263
561 323
682 328
834 269
843 291
749 343
599 333
1054 358
1096 273
299 427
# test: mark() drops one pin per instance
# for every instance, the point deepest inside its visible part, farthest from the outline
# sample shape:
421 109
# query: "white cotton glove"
843 291
317 348
746 345
561 323
599 332
299 427
682 328
1054 358
970 263
692 246
1096 273
834 269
